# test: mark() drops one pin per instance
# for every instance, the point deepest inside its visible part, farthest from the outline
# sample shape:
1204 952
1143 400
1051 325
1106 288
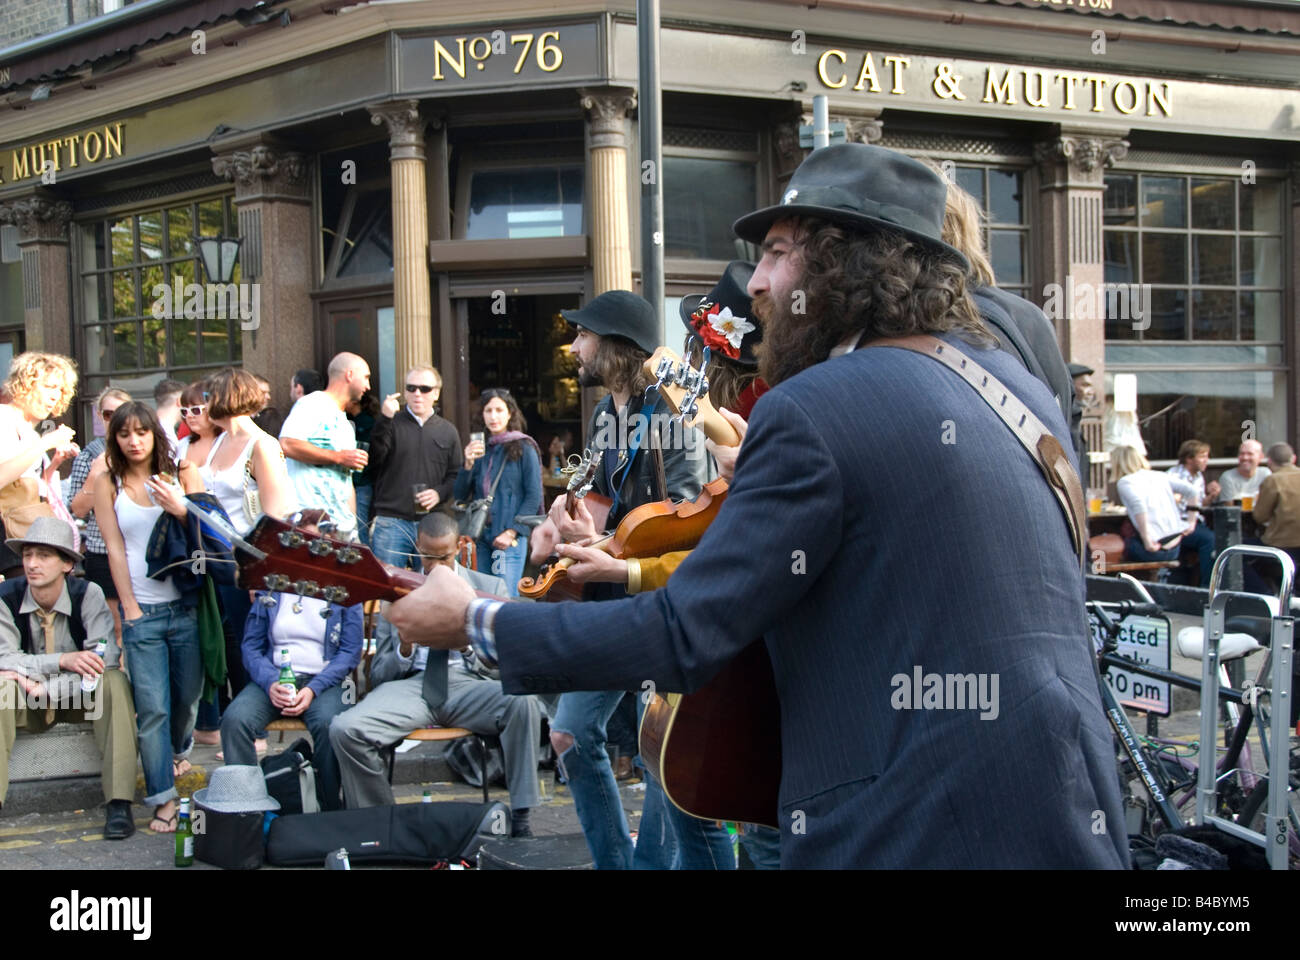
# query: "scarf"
505 436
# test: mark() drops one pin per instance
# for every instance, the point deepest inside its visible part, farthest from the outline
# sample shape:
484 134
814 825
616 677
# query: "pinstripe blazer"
884 526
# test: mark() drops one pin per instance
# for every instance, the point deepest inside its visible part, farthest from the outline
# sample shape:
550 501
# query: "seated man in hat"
320 651
50 626
406 695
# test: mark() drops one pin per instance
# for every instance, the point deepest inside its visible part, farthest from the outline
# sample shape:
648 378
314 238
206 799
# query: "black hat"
724 317
619 313
862 186
1078 370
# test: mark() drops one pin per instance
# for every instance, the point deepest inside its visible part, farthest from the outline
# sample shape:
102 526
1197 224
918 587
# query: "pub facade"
433 181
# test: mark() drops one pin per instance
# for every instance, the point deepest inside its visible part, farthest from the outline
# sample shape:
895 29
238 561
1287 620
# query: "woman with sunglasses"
515 457
160 635
197 445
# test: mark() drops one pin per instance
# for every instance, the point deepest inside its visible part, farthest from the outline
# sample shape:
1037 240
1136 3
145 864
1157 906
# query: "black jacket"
403 453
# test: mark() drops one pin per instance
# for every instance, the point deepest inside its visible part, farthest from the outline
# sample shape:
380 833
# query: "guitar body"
654 529
717 752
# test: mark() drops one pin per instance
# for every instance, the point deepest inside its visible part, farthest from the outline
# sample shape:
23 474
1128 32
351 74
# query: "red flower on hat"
720 329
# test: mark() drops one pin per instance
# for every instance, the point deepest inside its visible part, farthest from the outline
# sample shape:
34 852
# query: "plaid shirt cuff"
479 619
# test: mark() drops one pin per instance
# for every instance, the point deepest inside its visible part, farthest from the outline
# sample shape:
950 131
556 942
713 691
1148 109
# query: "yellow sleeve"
651 573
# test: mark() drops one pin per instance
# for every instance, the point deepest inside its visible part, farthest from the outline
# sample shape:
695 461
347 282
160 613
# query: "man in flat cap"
51 624
917 582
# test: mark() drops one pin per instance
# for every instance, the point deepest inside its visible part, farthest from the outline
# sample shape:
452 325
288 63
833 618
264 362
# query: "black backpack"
291 779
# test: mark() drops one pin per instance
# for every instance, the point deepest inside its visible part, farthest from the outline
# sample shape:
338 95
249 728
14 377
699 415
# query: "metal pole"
650 133
821 122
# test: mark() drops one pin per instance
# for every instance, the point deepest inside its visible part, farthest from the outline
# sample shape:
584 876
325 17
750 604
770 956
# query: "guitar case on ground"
420 833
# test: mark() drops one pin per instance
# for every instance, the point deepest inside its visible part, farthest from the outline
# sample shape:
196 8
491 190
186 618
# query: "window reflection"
702 198
523 203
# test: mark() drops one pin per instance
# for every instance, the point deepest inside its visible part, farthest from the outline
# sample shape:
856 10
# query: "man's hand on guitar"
433 615
578 528
592 565
543 540
726 456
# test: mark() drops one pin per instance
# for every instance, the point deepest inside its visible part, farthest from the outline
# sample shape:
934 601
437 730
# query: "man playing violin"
866 550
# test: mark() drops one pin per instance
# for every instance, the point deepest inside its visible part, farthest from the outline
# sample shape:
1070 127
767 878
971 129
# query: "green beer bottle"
184 836
287 679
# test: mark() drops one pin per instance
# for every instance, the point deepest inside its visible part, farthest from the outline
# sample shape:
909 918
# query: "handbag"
20 505
252 496
473 514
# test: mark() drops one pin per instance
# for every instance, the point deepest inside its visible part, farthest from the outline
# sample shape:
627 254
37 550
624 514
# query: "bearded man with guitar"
885 522
616 333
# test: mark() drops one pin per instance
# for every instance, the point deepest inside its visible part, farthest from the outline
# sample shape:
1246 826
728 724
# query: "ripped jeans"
586 769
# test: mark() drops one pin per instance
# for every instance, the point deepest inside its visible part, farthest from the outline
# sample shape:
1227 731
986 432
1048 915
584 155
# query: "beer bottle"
427 798
184 836
90 684
287 679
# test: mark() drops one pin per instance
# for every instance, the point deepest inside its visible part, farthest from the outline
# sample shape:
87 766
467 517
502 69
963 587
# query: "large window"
1000 194
122 261
1204 257
710 179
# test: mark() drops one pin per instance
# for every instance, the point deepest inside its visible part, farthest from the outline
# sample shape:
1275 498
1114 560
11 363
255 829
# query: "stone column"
412 314
1069 238
42 223
611 230
274 207
1293 425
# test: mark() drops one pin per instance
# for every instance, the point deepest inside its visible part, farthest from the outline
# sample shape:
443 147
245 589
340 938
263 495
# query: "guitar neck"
707 419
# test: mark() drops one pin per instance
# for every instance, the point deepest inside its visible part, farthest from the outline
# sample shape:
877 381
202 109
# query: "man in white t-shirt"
320 446
1244 479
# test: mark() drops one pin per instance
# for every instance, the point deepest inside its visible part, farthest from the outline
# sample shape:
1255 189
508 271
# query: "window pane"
94 250
1164 202
1182 355
184 341
180 231
701 200
125 344
534 202
1261 316
1006 201
97 350
95 298
216 339
154 345
1121 257
1005 250
1168 316
1212 260
971 179
1120 208
1261 261
1220 401
1164 258
1214 315
212 221
151 235
185 269
1213 204
124 293
150 279
123 243
370 236
1261 206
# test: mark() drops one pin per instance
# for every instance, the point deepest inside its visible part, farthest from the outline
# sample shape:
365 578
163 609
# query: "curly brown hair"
881 283
27 370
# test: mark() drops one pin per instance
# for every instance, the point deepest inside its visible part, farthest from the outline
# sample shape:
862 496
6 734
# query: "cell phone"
1167 541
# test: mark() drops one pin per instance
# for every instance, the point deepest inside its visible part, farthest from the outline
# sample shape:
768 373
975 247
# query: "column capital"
39 219
862 129
261 169
606 109
1085 155
405 127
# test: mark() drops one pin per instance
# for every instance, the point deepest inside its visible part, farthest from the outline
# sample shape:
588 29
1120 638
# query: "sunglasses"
193 411
491 392
422 387
108 414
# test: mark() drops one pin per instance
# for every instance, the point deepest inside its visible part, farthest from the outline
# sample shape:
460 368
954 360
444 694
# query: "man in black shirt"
415 455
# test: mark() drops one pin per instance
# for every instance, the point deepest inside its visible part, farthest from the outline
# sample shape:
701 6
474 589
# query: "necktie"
46 617
434 689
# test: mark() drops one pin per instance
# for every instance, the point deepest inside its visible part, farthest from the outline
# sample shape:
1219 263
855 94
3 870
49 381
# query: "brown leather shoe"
624 770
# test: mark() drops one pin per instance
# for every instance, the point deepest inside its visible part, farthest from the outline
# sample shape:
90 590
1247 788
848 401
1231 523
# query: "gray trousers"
392 710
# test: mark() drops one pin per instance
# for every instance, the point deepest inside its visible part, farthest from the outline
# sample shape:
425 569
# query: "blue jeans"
669 839
506 564
1202 541
250 712
585 768
763 845
365 495
392 540
1135 550
162 649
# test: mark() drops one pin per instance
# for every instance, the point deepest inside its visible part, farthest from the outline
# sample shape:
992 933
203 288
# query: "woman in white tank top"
198 445
233 397
159 634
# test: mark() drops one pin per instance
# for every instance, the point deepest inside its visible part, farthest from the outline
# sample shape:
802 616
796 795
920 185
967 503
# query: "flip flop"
168 822
180 768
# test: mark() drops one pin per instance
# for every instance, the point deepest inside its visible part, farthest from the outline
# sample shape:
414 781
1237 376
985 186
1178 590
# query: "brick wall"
24 19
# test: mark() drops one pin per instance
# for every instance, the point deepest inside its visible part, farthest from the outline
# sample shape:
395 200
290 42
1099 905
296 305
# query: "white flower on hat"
730 326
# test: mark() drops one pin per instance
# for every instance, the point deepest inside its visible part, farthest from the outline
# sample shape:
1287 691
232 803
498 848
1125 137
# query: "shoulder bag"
472 515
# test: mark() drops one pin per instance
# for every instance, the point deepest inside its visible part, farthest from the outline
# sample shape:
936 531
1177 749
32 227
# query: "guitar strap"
1043 447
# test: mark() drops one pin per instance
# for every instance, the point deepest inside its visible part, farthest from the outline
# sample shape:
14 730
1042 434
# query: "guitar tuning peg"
297 605
267 600
325 611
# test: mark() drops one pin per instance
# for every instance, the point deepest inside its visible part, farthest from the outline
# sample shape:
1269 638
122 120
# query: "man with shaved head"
320 445
1244 479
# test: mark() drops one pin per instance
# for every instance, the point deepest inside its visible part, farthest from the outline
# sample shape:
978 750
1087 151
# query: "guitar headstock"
685 389
315 566
582 475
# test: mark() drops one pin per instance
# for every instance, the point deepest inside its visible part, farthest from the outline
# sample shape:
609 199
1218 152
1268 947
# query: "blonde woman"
1148 497
39 386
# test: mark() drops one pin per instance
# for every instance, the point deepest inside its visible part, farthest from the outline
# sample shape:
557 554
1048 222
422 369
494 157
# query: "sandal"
180 768
169 823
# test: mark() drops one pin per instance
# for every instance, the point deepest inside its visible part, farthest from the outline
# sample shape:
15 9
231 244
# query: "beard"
588 378
793 342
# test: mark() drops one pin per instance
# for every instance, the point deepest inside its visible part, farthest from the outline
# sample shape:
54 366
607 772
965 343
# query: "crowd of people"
822 363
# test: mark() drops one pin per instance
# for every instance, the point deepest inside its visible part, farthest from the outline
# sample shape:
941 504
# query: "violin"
656 528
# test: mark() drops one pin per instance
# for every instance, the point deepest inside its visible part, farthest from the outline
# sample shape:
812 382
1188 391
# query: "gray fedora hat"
861 186
47 532
236 788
